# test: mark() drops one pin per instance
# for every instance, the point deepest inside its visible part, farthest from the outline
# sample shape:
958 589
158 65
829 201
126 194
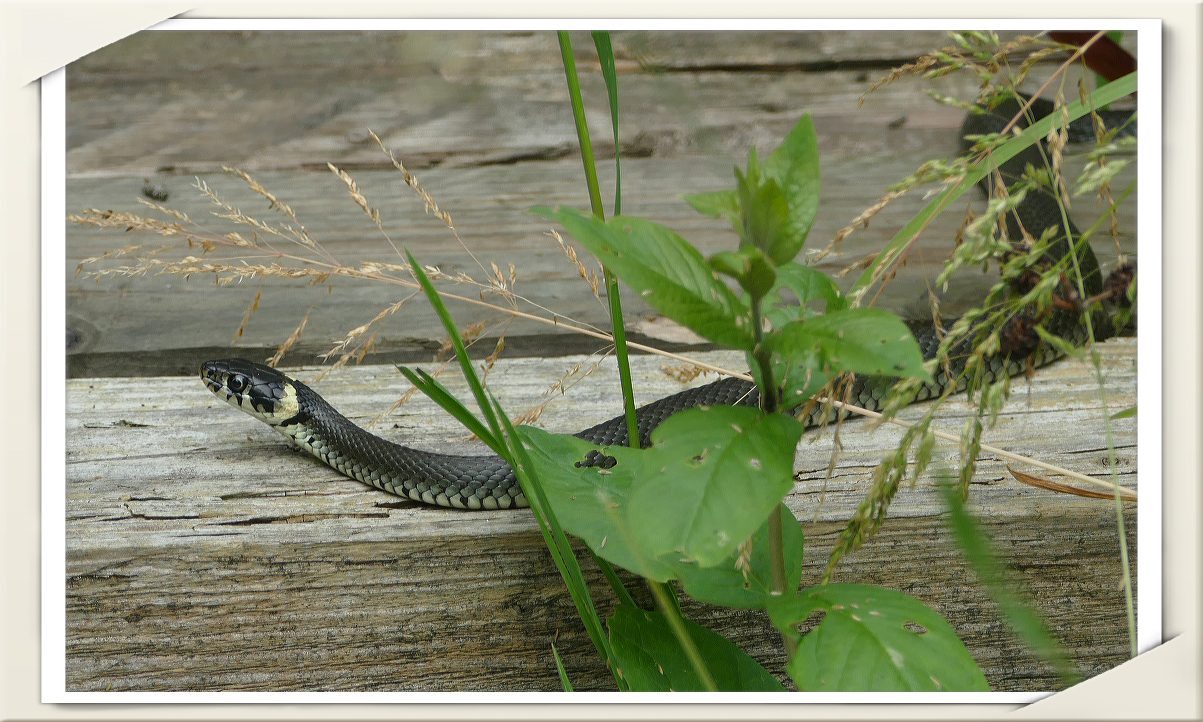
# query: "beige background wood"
484 122
203 554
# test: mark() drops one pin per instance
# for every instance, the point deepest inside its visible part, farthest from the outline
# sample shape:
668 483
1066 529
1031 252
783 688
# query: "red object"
1104 57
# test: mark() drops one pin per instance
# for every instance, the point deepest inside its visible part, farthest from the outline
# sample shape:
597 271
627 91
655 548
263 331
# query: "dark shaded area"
187 361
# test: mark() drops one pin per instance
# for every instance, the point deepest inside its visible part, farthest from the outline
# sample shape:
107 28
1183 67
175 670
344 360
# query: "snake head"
259 390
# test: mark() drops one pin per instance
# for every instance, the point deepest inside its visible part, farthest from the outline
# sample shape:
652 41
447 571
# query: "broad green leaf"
806 285
651 659
794 165
729 586
764 213
593 503
749 266
809 284
863 340
718 472
667 272
719 204
872 639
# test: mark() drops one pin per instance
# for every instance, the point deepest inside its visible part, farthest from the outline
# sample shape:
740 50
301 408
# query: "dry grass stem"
861 221
428 204
682 372
290 341
179 215
246 317
590 277
567 381
275 204
356 195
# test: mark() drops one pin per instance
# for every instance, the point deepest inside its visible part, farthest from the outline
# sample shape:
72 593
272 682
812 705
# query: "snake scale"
487 482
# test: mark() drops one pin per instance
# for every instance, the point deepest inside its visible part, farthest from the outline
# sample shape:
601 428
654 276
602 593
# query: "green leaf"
667 272
764 213
872 639
794 165
809 284
806 284
1125 414
749 266
726 585
719 204
593 503
651 659
718 472
864 340
775 203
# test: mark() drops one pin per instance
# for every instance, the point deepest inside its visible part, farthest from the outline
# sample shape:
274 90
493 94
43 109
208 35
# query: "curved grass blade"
1030 136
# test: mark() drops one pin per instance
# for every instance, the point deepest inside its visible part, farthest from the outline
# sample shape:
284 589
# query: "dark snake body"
487 482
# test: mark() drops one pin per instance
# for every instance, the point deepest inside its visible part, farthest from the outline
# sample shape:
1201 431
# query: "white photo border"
53 292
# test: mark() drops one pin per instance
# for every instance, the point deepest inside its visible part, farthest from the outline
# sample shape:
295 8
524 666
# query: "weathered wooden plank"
202 554
157 312
174 104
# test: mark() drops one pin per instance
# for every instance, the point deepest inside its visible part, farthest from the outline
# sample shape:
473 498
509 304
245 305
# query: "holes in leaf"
914 627
596 459
814 619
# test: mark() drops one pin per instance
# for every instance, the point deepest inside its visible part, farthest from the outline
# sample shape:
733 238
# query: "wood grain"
202 554
483 120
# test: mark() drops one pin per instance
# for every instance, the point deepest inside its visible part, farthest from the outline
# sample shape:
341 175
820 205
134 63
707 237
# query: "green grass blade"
582 128
438 393
613 295
564 681
1031 135
605 54
558 544
1022 618
461 353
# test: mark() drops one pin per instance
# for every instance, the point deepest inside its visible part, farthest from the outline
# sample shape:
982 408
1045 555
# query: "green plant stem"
668 607
619 331
768 404
620 589
768 395
612 293
777 566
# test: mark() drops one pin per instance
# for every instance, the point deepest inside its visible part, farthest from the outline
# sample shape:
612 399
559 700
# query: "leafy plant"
701 508
701 505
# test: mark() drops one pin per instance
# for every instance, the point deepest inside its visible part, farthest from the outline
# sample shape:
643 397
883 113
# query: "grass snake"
487 482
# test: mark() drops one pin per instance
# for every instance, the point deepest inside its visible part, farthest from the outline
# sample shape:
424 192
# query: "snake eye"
237 383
